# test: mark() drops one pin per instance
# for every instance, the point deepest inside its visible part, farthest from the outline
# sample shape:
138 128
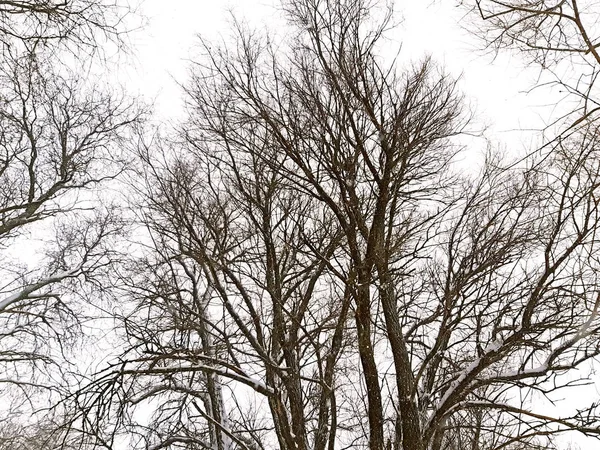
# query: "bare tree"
314 251
561 37
43 434
81 24
59 142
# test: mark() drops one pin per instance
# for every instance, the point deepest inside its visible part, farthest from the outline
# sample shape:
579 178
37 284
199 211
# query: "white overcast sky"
495 87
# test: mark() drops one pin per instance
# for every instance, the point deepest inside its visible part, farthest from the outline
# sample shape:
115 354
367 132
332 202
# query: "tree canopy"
308 264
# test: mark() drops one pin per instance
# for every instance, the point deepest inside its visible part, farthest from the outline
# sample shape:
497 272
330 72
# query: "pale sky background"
493 86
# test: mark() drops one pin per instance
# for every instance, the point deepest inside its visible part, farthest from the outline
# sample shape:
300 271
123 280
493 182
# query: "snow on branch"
26 292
